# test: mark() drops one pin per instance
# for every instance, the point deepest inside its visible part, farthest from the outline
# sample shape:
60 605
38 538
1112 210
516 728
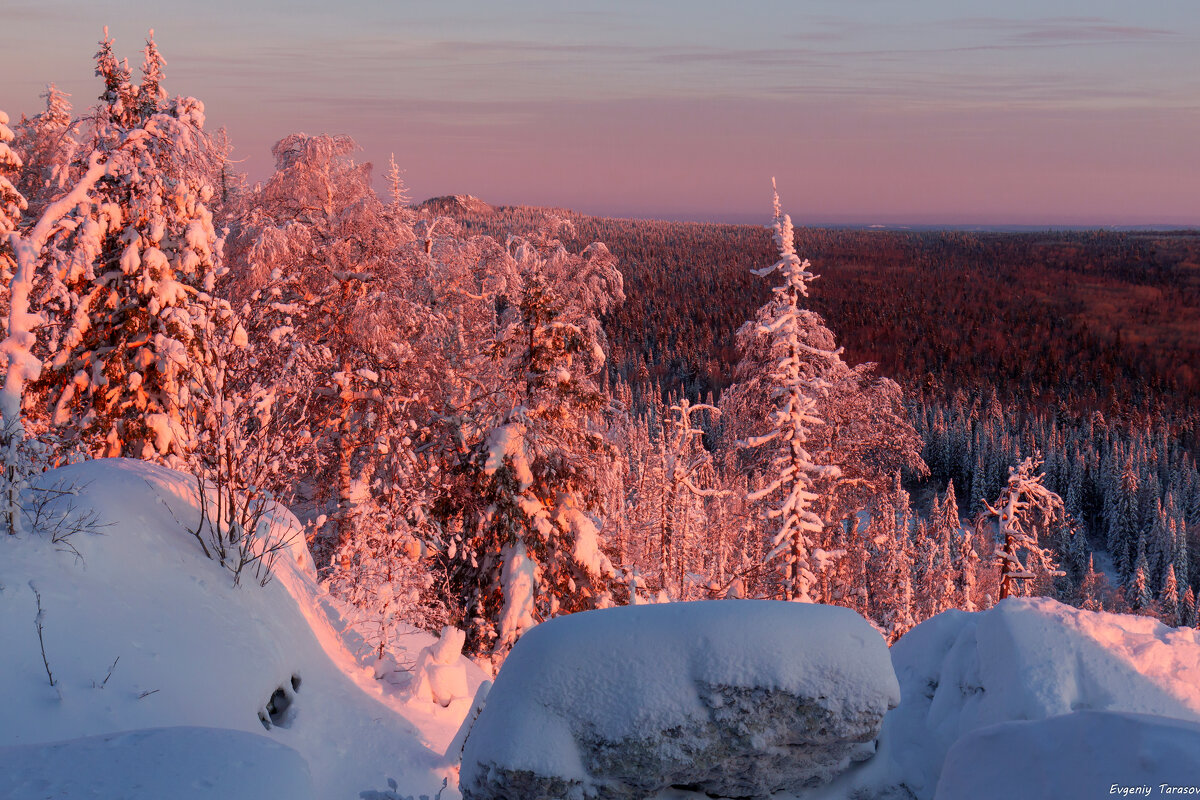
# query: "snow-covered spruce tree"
12 201
24 247
1187 609
1090 588
686 479
132 273
889 576
1138 593
1169 603
963 561
531 546
787 348
1025 510
1124 525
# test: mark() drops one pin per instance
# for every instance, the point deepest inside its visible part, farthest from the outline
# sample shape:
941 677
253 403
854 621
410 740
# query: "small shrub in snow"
235 528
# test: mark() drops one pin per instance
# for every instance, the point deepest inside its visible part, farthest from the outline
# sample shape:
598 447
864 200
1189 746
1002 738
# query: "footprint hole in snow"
280 709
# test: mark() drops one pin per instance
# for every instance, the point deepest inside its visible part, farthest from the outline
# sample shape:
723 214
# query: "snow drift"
736 697
1023 660
181 646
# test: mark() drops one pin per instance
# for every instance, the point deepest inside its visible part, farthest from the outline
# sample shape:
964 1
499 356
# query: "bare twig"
104 682
41 641
148 693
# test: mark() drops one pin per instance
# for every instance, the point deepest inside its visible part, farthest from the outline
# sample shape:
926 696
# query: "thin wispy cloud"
520 97
1063 29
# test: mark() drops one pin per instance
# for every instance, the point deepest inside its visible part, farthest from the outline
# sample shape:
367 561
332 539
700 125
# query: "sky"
1040 112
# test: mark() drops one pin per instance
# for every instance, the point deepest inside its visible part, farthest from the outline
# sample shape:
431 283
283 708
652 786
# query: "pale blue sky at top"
1045 112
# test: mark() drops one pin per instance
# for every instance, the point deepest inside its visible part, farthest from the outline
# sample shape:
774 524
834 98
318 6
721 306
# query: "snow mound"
1030 659
738 697
142 631
1086 754
180 763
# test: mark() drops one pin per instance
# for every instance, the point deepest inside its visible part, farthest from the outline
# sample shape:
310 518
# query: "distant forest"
1093 320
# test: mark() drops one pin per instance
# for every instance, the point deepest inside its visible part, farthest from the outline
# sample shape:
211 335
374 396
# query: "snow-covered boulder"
1025 659
1086 754
739 698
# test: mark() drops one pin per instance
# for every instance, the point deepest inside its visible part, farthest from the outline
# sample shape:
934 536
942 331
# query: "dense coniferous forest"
1096 320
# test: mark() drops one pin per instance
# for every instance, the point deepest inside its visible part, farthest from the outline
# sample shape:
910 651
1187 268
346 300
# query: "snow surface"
180 763
195 651
1086 754
633 669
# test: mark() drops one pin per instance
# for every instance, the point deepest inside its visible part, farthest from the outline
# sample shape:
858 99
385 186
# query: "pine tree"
1024 510
532 543
1089 589
134 279
1169 599
1140 597
796 350
1125 528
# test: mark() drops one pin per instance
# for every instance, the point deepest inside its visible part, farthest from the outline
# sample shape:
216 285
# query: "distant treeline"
1082 320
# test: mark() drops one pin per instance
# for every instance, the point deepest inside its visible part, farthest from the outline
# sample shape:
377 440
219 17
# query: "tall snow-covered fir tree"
788 352
23 248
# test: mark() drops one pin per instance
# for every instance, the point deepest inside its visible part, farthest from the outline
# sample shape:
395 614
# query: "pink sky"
936 112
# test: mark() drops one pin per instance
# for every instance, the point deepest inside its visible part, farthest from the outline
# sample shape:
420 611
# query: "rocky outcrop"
457 205
736 698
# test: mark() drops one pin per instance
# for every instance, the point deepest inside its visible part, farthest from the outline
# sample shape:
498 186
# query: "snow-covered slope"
192 650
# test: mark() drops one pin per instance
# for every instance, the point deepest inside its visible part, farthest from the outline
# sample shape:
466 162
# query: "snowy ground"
196 660
192 650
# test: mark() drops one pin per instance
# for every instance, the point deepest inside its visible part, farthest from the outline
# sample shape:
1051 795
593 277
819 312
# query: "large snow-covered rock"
1086 754
1025 659
740 698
